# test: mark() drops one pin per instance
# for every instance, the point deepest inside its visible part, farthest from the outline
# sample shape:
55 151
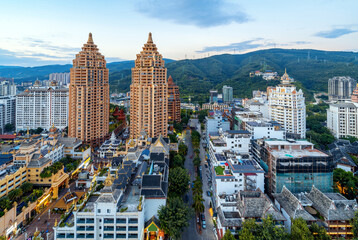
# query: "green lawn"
219 170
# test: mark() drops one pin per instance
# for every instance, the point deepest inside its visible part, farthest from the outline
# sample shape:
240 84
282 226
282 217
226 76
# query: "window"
108 210
99 211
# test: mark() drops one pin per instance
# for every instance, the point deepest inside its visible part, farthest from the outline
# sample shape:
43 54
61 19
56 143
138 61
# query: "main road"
192 232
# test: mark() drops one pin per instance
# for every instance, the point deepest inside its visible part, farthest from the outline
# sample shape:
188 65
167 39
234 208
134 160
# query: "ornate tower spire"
354 96
150 40
90 39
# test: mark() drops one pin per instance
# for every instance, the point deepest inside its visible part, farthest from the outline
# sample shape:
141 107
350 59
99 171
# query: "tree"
27 187
300 230
346 183
355 225
228 236
174 217
9 127
178 182
249 230
271 231
173 138
182 149
178 161
319 232
15 194
197 161
198 203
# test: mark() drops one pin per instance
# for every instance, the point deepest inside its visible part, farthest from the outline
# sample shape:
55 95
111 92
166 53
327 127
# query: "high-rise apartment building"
89 96
149 93
342 117
60 78
340 88
7 111
7 88
287 107
173 101
227 94
42 107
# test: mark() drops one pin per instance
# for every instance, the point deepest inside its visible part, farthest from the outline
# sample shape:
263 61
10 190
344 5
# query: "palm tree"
198 203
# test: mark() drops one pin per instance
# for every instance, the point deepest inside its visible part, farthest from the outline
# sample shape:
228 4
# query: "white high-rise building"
7 111
287 106
227 94
60 78
342 117
42 107
7 88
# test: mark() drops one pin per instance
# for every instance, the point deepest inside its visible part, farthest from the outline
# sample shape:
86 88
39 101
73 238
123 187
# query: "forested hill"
310 68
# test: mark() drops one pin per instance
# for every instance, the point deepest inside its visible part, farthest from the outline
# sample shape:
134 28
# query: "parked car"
208 193
197 219
202 216
204 224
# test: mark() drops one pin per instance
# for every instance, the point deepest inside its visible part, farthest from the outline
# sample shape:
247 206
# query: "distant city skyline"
38 33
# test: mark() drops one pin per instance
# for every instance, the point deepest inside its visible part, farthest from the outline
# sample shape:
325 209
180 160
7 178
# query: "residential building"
60 78
331 210
237 208
342 152
7 111
42 107
149 93
89 96
287 107
342 117
227 94
294 164
215 122
233 140
173 101
215 106
340 88
7 88
232 172
264 129
213 96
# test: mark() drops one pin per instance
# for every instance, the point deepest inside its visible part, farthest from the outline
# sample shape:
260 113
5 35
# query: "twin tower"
89 94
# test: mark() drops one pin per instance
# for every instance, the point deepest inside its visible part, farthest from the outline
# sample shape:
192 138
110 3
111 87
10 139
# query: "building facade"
173 101
89 96
227 94
342 117
287 107
213 96
7 88
60 78
7 111
294 164
340 88
149 93
42 107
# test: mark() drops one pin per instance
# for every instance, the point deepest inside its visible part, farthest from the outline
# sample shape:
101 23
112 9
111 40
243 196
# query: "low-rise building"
235 209
331 210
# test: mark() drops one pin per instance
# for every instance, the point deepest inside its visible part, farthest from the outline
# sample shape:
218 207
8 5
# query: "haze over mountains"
310 68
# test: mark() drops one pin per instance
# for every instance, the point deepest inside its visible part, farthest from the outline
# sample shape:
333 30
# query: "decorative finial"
150 40
55 222
90 39
285 71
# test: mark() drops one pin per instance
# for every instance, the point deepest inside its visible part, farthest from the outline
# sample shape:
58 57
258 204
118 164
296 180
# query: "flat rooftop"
283 153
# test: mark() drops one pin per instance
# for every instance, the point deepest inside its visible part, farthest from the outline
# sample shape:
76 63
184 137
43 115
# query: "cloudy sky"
51 32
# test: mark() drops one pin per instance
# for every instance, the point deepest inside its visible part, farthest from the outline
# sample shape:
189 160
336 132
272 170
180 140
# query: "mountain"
311 70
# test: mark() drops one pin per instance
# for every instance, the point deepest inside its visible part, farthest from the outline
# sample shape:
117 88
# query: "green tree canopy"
300 230
178 182
228 236
174 217
319 232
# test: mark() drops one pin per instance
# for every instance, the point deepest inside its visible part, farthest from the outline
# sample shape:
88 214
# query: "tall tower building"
227 94
149 93
173 101
89 96
287 107
340 88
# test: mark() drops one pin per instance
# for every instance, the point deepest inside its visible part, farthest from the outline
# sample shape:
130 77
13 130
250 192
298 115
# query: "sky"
35 33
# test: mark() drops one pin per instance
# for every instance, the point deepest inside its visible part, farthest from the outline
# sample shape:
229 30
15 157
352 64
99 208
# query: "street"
191 232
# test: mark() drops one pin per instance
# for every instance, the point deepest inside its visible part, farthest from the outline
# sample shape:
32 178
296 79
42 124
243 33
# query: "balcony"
89 220
108 220
81 220
121 228
81 228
